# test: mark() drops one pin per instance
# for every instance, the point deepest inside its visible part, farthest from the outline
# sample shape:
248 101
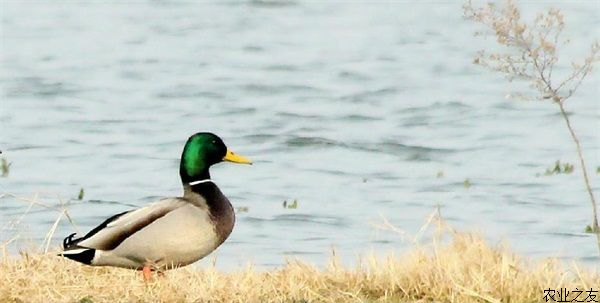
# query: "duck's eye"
214 142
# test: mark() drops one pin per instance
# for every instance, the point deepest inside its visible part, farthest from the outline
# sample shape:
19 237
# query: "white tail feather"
74 251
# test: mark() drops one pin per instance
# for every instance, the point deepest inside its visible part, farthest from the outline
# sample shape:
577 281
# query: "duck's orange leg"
147 272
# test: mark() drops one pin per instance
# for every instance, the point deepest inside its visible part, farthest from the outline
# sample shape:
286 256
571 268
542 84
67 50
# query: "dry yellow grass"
454 267
466 269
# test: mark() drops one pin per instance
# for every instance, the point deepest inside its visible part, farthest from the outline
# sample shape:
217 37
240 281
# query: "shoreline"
464 269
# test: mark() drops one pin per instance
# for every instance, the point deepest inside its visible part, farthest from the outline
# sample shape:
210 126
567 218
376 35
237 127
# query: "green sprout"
86 299
4 167
291 205
467 183
559 168
590 230
242 209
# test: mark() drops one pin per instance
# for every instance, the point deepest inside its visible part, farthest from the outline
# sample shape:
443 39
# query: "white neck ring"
199 182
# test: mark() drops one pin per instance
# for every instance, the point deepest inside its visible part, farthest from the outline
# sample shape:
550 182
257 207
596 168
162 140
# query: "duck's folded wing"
116 229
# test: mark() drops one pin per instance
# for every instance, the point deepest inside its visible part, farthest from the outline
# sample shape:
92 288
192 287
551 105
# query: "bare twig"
531 55
61 209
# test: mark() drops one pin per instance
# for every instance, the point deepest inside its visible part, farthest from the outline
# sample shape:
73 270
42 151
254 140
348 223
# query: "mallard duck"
171 232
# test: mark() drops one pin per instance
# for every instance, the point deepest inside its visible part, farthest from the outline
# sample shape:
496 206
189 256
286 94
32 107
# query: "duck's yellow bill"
235 158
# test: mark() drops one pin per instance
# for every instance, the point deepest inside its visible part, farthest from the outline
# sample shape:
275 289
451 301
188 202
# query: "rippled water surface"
356 111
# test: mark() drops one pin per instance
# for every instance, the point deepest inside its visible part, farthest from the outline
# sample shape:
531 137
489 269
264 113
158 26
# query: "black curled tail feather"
69 242
75 252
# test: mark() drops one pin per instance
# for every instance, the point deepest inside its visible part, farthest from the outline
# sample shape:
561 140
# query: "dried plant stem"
559 100
595 227
531 54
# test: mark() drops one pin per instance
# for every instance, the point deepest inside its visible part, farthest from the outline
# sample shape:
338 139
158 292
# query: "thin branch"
537 44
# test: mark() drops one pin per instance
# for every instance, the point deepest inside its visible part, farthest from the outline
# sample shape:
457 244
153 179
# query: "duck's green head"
200 152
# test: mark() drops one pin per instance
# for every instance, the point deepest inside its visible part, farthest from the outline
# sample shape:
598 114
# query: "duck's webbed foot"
147 273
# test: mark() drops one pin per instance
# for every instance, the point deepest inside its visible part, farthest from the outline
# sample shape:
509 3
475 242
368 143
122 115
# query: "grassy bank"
465 269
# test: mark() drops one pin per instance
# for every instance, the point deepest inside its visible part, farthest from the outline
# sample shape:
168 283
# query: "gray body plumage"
169 233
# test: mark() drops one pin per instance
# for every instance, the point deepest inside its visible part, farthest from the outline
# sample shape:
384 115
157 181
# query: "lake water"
356 111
